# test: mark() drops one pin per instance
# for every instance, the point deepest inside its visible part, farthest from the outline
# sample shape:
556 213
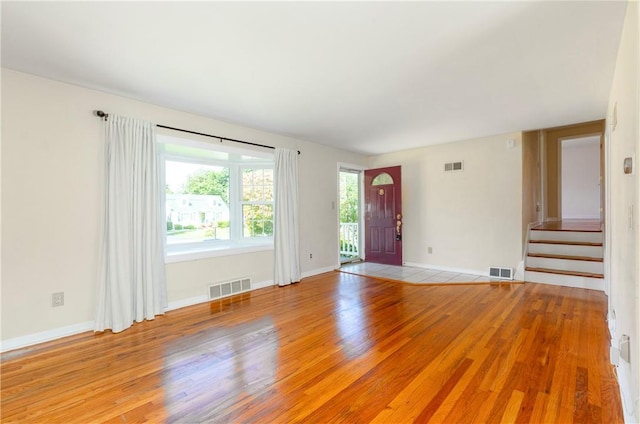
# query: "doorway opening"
580 178
350 239
557 142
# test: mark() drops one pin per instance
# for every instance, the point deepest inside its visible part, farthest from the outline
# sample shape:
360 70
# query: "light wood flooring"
571 225
334 348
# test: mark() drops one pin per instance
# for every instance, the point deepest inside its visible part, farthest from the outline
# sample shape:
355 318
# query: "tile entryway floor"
411 274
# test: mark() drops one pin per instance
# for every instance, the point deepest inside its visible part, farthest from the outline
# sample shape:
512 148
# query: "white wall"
52 200
623 234
581 178
471 219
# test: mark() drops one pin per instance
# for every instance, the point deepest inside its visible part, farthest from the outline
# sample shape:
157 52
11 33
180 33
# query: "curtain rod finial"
101 114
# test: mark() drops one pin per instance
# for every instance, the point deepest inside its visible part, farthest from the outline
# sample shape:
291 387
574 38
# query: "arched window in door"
382 179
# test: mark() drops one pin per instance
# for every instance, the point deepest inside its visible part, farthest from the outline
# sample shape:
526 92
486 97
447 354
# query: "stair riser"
564 280
590 237
566 249
566 265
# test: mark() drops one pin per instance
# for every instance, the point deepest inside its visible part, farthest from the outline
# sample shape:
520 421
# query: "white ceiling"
371 77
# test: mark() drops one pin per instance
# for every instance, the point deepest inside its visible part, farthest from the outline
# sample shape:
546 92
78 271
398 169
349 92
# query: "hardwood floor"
334 348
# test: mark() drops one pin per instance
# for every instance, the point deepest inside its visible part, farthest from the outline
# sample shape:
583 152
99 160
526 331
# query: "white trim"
261 285
607 217
519 272
70 330
45 336
625 382
564 280
237 244
356 169
317 271
167 136
448 269
525 251
183 303
204 299
193 255
351 167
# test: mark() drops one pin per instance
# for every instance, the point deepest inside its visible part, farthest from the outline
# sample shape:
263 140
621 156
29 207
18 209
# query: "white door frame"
359 169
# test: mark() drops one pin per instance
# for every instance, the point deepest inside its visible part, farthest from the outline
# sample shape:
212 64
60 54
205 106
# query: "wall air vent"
229 288
453 166
502 273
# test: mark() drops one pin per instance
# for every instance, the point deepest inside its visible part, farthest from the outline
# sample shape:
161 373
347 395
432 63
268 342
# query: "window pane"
247 193
257 197
197 202
258 193
257 220
382 179
257 185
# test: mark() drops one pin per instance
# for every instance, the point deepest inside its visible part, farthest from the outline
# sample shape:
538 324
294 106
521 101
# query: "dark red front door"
383 216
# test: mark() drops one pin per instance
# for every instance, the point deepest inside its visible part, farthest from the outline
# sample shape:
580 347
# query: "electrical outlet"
310 255
429 249
57 299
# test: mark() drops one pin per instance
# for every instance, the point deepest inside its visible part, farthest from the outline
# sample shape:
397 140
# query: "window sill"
196 253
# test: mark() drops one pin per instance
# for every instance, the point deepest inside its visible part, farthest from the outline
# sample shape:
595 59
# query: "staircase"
568 255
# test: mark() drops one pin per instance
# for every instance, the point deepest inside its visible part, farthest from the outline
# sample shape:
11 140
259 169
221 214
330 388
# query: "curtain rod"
103 115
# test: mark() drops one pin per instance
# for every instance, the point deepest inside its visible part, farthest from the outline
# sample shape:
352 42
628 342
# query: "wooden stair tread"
567 230
572 258
571 243
582 225
562 272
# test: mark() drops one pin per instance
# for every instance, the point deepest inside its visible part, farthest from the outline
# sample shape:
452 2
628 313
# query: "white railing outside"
349 239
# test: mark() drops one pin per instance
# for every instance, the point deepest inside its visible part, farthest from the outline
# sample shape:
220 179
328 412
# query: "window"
196 202
257 202
215 198
382 179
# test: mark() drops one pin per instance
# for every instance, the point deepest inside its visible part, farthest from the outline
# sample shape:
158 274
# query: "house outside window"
215 199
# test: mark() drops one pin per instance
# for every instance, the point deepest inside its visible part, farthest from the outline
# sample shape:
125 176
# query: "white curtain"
132 285
287 258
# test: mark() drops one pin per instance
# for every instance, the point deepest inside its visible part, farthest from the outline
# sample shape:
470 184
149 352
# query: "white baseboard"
448 269
45 336
261 284
182 303
625 383
519 274
70 330
317 271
